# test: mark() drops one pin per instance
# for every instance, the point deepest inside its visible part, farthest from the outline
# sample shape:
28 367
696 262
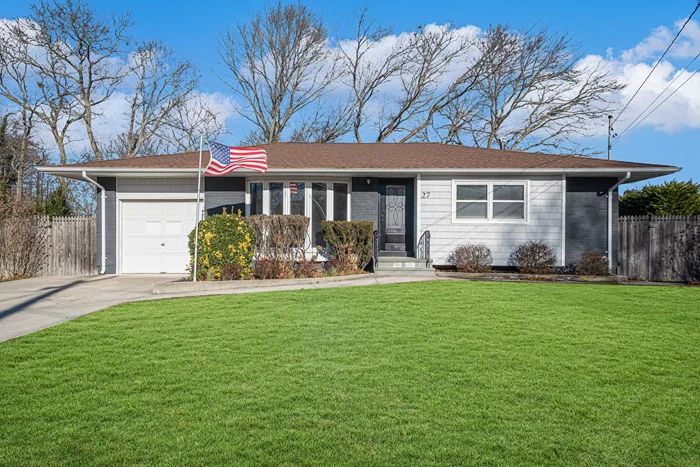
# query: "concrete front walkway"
29 305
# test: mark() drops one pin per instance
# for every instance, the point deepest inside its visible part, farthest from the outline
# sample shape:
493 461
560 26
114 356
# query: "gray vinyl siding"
157 185
110 185
364 202
587 217
545 203
224 193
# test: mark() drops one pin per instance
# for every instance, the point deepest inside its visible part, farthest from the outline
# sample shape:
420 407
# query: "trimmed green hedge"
350 243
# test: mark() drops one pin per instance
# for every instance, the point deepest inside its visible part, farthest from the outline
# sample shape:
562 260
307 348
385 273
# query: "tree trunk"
91 136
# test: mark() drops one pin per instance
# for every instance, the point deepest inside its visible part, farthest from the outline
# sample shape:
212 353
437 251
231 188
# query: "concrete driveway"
29 305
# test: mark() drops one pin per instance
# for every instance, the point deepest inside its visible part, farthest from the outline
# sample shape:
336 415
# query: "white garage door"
154 236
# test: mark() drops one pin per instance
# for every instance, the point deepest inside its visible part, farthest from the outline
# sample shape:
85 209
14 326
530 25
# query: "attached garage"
154 235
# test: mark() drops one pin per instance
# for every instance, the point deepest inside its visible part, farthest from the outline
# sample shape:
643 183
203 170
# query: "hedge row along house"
458 194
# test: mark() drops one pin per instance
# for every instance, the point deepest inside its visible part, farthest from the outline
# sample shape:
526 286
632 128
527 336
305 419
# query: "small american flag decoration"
293 188
226 159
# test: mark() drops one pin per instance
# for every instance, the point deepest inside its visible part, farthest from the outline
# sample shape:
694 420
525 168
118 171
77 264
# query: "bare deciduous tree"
278 64
329 122
187 122
80 56
41 93
440 70
16 87
533 93
363 73
161 86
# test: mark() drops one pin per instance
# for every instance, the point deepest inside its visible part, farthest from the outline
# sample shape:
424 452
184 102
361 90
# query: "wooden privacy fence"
71 246
43 246
655 248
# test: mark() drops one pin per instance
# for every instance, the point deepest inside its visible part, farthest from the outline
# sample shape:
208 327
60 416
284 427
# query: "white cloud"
630 66
682 109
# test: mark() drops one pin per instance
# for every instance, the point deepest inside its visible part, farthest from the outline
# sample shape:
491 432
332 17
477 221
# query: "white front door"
154 236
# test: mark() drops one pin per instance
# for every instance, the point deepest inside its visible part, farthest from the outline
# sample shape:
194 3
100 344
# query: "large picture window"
319 200
276 190
297 198
490 201
256 198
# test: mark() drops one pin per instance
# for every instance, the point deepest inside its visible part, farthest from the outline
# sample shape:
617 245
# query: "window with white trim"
319 200
490 201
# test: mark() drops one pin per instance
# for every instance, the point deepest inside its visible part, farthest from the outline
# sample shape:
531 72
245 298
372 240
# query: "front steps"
402 266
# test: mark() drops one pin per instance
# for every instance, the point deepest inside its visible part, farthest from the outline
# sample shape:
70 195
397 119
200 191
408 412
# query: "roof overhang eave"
639 173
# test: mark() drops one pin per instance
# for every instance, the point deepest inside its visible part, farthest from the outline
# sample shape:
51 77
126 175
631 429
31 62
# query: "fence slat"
649 247
70 246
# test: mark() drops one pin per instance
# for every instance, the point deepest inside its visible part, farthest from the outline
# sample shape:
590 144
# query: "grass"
428 373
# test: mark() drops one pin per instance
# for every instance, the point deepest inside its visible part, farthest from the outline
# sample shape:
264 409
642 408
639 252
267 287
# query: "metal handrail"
375 248
424 247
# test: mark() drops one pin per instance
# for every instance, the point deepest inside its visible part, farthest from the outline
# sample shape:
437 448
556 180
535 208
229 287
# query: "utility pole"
610 135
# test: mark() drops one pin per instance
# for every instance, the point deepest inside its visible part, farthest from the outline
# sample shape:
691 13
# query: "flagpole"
196 226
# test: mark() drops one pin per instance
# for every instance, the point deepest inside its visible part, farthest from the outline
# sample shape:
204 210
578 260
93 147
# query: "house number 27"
425 194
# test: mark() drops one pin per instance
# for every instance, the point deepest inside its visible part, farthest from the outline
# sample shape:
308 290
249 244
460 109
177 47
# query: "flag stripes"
226 159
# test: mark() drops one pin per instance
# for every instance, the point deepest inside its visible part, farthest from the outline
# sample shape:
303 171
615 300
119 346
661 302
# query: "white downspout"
610 226
102 222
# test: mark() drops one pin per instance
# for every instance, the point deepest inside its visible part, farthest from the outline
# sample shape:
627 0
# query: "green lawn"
427 373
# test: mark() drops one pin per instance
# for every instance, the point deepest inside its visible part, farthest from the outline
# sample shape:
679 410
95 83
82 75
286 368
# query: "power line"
661 94
660 104
657 62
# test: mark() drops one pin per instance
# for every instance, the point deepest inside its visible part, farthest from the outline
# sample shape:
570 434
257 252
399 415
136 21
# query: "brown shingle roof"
381 156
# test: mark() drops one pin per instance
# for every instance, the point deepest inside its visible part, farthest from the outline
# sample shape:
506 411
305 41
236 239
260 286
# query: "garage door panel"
174 243
152 245
132 244
138 264
177 210
153 227
131 210
153 210
154 236
133 227
175 264
174 228
187 226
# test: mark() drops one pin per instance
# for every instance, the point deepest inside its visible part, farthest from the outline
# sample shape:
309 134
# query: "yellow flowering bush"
224 239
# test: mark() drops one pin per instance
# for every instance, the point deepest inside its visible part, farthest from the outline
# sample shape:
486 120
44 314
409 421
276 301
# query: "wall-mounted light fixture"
369 182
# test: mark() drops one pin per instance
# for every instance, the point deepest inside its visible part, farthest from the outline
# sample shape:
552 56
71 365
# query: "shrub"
280 239
223 239
593 263
672 198
472 258
533 257
22 240
349 243
271 269
231 272
308 268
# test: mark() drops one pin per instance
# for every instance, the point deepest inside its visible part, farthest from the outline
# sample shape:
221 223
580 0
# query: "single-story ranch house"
459 194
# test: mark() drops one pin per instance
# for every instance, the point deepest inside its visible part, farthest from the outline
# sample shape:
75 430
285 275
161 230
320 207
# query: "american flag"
226 159
293 188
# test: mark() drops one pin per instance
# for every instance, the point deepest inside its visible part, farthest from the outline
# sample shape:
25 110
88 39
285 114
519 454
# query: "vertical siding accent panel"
224 193
365 200
587 216
110 184
545 218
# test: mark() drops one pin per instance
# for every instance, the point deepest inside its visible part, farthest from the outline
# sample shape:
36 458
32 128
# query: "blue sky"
192 29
